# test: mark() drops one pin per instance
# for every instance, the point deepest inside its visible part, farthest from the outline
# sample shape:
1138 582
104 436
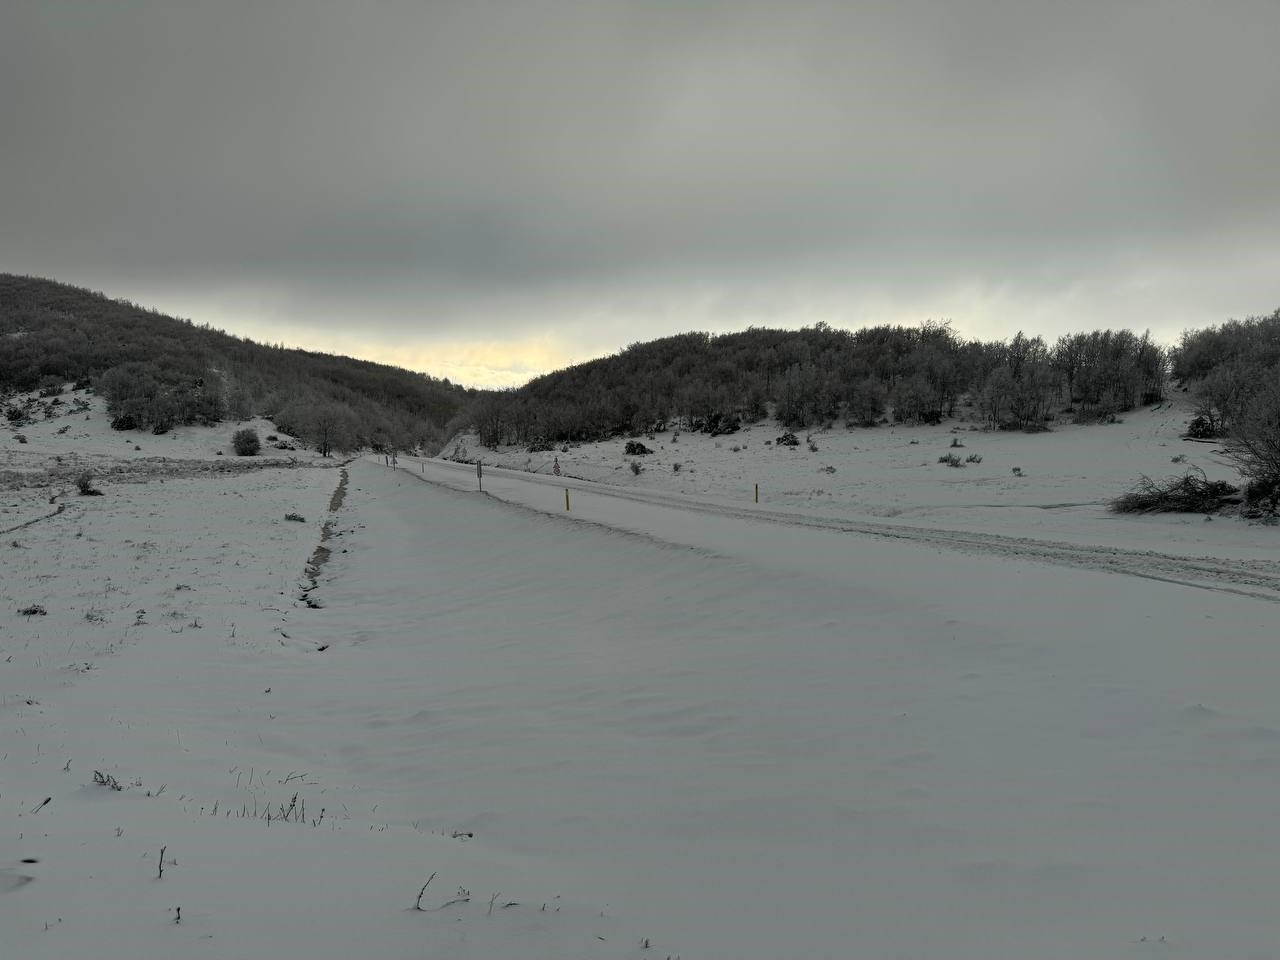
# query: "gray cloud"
617 171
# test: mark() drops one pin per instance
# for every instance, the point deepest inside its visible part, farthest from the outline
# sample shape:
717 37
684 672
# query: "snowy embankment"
683 720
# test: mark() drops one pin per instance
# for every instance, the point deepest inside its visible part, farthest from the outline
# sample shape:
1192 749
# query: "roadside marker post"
480 475
757 493
566 499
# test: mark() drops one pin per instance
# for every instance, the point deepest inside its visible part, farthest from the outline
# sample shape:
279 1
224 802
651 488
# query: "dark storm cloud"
420 165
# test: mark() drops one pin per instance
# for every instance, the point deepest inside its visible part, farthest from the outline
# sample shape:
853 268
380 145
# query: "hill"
157 371
820 374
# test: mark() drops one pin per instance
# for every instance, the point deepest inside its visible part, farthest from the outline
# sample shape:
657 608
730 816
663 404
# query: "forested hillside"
156 371
821 374
1234 370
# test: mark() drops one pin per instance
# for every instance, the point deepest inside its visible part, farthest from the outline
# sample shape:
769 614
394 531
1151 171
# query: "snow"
980 726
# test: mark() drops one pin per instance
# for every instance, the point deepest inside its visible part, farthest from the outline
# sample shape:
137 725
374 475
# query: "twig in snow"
418 904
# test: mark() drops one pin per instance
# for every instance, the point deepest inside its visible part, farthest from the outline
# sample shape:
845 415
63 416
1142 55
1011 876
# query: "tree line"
820 374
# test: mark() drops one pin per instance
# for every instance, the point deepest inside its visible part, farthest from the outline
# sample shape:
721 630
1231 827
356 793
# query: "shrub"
951 460
1255 435
955 442
675 467
1017 471
1263 494
635 467
246 442
295 517
1200 428
84 483
788 440
722 423
973 458
1180 458
1190 493
1103 415
636 449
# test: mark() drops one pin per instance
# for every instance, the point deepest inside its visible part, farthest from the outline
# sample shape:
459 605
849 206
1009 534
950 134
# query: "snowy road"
1251 577
777 739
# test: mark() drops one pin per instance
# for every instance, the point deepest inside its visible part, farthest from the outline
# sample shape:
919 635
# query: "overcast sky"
490 190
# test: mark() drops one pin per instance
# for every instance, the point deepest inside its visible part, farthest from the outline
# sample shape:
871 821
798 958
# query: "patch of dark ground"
320 556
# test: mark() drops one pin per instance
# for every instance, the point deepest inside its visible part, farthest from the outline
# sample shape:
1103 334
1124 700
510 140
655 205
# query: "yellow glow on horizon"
471 363
477 363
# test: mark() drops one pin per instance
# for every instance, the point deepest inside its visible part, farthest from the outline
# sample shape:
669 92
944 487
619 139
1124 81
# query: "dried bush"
84 483
951 460
1263 496
1190 493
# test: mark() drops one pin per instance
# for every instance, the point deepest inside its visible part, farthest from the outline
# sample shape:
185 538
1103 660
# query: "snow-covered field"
894 710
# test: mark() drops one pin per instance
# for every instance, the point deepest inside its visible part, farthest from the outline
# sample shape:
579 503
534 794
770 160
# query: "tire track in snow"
1257 579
